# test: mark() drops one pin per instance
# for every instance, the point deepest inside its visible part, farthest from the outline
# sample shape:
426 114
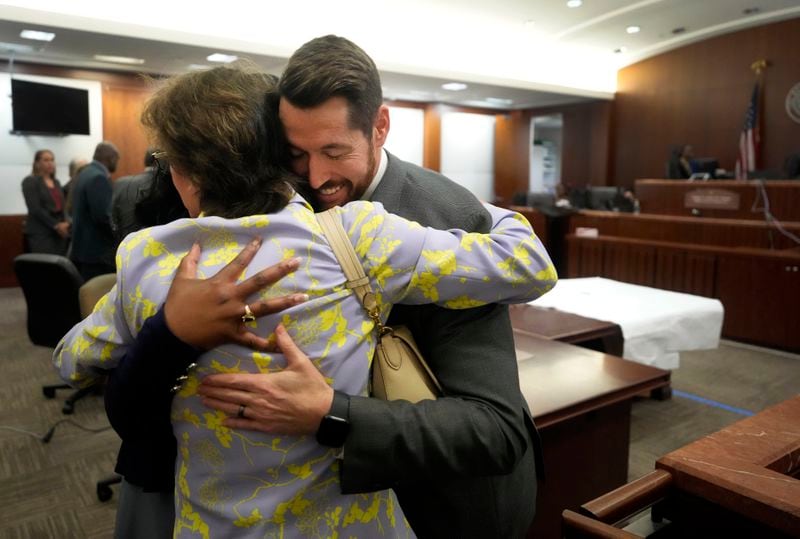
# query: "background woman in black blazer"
46 227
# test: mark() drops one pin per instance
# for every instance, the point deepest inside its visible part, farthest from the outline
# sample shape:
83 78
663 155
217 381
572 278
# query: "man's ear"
381 128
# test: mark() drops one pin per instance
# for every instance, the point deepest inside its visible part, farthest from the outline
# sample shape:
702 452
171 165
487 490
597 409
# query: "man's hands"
292 401
62 229
205 313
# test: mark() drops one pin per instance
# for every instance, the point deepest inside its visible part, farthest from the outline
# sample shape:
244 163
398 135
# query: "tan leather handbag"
398 370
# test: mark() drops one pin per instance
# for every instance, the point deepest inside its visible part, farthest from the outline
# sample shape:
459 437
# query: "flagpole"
749 139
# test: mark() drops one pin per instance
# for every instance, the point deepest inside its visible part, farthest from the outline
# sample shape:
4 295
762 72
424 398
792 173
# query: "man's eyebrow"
337 146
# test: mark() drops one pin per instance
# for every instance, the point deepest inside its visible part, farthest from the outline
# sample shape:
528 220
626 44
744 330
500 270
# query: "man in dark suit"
463 465
92 240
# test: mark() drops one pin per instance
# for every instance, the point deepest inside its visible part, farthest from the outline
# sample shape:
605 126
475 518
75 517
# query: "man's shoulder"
429 197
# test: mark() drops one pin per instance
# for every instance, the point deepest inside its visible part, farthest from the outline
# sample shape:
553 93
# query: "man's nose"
317 172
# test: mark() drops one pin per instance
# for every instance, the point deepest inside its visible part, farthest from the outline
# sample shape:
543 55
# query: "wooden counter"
750 468
581 402
732 199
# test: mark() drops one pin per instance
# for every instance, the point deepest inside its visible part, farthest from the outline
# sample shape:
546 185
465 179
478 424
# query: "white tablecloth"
656 324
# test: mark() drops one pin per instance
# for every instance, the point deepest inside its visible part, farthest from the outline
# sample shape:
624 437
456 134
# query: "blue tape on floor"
715 404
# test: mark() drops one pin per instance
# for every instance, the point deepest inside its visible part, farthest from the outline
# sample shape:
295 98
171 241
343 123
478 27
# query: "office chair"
51 284
88 295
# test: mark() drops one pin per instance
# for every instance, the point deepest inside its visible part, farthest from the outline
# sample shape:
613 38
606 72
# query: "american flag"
749 140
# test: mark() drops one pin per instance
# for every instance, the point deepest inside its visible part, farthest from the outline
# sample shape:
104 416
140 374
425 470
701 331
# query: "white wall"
406 134
16 151
468 151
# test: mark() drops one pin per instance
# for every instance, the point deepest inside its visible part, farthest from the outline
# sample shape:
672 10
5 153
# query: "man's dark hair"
332 66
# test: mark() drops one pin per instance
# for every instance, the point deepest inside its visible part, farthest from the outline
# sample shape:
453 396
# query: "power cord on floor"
47 436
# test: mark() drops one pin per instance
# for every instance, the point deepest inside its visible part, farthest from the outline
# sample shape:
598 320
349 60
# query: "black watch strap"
335 426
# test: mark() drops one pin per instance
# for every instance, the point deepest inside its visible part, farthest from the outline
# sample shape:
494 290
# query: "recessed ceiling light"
119 59
633 29
620 50
222 58
574 3
37 35
197 67
500 101
454 86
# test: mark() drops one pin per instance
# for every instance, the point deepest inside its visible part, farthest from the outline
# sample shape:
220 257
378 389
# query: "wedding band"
240 413
248 315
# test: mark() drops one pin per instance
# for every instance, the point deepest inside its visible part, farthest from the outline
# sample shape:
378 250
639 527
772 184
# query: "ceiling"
510 53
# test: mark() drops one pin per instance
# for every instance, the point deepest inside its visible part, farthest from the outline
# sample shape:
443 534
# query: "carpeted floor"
48 490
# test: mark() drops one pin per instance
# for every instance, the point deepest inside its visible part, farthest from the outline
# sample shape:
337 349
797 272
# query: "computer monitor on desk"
704 168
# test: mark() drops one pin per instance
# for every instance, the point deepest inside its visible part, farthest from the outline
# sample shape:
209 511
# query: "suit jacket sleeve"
478 428
138 393
32 191
99 198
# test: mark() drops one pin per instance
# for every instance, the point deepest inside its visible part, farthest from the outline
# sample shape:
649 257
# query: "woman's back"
244 483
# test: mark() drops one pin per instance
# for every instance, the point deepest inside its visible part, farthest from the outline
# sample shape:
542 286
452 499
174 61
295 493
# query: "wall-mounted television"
46 109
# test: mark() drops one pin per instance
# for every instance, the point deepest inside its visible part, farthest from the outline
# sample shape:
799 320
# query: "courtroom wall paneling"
628 263
122 108
688 272
10 247
584 258
584 151
698 95
511 155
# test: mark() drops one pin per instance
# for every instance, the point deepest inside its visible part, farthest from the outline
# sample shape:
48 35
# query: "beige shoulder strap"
331 223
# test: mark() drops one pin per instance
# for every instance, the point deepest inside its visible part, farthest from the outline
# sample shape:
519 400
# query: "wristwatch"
335 426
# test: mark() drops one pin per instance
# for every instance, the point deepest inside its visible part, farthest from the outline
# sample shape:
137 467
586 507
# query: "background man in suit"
463 465
126 192
92 241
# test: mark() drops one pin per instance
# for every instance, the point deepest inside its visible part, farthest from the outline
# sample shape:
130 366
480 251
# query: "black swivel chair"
51 285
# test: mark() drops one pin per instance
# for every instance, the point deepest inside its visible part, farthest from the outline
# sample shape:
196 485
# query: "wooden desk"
556 325
581 402
743 481
677 197
749 469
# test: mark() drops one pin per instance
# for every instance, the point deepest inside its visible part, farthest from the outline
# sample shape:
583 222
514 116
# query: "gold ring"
248 315
240 413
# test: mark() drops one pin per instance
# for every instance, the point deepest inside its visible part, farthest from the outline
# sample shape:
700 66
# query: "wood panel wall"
698 95
586 136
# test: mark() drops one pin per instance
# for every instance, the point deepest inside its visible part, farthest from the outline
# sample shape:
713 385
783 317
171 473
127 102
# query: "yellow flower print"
445 261
153 248
245 522
223 255
463 302
214 422
254 221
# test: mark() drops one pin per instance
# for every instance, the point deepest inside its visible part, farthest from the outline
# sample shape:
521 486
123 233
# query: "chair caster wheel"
104 493
49 392
68 408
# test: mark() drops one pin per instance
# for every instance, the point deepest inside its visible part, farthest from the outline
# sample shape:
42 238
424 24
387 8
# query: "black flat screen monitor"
705 165
48 110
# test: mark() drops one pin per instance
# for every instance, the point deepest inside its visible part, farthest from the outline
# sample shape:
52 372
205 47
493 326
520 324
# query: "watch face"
333 431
